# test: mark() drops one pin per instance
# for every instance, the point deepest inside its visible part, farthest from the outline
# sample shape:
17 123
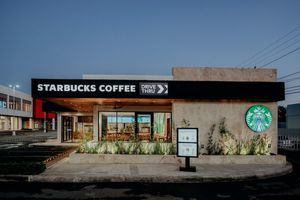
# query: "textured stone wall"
224 74
202 114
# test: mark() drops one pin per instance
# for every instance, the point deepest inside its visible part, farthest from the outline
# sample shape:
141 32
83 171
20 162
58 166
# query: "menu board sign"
187 142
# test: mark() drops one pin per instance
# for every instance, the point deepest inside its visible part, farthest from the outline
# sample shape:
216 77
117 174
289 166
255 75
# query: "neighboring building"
41 118
152 107
289 136
15 110
293 116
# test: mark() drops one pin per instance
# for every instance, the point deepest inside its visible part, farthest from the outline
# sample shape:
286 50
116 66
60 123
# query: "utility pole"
14 107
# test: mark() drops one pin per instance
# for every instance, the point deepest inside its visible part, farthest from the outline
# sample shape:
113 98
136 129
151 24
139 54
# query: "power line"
292 90
269 56
292 79
289 75
298 48
273 49
298 90
247 60
293 87
293 93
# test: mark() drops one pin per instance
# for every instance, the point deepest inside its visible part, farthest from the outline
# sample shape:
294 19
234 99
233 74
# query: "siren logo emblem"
154 89
258 118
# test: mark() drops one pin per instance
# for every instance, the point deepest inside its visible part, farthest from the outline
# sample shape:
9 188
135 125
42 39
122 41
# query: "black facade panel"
201 90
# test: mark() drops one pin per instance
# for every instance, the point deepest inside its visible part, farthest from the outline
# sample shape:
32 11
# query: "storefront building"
43 120
150 108
15 110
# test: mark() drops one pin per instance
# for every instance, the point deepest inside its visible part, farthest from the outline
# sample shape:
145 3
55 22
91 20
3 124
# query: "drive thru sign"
187 146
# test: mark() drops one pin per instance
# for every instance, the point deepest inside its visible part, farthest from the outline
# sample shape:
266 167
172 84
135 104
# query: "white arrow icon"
161 89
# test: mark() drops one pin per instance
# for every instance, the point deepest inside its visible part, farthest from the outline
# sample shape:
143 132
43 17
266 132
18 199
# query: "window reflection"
162 126
117 126
127 126
144 126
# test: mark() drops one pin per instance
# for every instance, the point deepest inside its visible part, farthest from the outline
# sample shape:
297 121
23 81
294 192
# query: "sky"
68 38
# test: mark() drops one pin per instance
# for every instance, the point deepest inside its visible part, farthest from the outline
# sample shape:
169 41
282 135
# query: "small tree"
185 123
210 148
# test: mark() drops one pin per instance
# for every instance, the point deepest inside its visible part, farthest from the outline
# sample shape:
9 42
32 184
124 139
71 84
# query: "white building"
15 110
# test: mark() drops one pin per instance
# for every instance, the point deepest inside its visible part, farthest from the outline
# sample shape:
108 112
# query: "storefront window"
3 100
117 125
109 126
26 106
4 123
126 126
26 124
144 126
14 103
84 128
162 126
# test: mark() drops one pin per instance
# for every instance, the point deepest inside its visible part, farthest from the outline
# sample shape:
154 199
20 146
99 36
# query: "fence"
289 139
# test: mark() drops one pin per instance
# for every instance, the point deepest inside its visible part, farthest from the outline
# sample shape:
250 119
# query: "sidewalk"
69 171
34 136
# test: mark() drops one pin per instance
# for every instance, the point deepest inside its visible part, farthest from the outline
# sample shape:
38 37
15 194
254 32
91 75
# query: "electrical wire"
270 45
292 87
289 75
292 79
297 92
298 48
277 52
292 90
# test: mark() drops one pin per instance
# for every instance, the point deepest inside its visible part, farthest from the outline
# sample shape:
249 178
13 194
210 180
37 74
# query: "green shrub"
245 147
227 144
211 147
157 148
121 147
260 145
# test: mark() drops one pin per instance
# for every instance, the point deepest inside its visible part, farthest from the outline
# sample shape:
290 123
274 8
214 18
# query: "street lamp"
14 107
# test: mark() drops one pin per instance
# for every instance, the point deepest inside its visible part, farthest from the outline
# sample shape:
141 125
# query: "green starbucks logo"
258 118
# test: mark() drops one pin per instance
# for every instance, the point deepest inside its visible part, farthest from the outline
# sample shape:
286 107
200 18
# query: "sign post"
187 146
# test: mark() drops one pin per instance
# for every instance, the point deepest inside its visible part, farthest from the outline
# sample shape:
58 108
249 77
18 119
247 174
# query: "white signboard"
187 135
187 149
187 142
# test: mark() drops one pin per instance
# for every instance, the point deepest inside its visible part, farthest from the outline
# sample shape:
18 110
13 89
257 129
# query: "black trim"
53 107
211 90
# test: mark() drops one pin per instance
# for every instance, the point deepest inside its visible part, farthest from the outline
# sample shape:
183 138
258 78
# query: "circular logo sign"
258 118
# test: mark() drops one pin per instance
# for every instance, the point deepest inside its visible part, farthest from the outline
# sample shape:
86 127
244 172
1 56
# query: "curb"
189 178
185 178
54 159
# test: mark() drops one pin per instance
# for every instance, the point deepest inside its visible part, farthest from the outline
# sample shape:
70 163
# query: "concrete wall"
224 74
203 114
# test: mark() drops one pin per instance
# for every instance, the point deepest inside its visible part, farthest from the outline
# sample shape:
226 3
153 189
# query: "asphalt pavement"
279 188
24 138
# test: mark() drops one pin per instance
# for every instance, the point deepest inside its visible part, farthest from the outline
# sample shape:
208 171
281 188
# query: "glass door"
67 129
144 128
